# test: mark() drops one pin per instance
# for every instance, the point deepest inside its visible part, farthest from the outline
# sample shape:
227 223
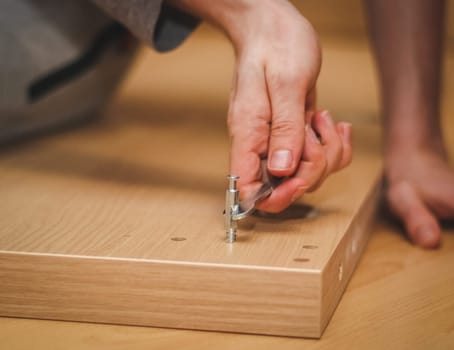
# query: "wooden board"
400 297
121 222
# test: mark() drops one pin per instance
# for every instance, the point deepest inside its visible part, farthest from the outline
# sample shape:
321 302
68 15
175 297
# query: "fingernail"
281 159
427 237
327 116
298 193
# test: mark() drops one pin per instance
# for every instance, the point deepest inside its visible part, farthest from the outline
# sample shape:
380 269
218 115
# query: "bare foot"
420 193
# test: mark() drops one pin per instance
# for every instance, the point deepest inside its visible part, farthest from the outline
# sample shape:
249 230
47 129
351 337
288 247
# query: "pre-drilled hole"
178 239
341 272
310 246
301 259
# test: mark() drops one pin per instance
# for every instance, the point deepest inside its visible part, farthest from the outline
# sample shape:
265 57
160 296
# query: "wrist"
224 14
242 21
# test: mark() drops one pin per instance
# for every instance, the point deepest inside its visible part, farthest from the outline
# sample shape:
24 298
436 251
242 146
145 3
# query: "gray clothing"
61 60
152 21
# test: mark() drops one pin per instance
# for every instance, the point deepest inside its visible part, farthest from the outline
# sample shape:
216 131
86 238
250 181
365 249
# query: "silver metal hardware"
236 210
231 208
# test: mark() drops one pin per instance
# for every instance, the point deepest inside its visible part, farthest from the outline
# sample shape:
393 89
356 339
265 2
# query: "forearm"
407 37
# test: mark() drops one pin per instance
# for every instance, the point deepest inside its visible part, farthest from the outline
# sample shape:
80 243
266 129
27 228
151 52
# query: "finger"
287 96
283 196
330 139
313 166
313 169
308 174
345 132
421 225
248 121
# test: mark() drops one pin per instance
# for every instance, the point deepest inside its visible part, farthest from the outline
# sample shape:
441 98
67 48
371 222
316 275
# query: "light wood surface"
121 222
400 297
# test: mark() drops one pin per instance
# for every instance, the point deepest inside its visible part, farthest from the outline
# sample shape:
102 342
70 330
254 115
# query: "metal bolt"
231 208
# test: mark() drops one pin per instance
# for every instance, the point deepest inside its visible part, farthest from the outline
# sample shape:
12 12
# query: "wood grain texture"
159 293
106 234
120 222
400 297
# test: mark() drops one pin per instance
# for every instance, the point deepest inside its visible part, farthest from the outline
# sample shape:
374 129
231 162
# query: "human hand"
272 100
420 193
278 61
327 148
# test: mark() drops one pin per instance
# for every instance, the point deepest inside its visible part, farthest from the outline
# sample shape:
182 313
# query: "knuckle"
285 77
243 119
335 152
238 114
285 127
319 159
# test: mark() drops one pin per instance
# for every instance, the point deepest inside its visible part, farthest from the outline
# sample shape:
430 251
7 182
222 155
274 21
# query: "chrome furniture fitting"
236 210
232 206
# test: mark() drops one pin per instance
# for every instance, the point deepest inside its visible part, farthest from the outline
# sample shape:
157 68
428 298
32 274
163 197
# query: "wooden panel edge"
141 293
340 267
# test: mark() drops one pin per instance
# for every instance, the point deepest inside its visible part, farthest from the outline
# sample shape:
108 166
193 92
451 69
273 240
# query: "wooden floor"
400 297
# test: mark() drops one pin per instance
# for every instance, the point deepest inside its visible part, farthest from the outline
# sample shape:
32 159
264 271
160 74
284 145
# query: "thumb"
421 225
287 123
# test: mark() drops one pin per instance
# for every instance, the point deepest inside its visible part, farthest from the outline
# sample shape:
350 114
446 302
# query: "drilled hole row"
306 246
